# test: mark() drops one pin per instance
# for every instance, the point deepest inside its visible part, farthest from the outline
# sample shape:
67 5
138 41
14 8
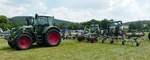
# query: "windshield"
44 21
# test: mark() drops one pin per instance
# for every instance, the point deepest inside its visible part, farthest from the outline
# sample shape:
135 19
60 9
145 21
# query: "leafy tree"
105 23
136 27
3 19
88 23
4 23
74 26
61 25
5 26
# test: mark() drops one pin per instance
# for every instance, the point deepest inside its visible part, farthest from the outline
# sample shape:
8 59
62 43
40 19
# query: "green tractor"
38 29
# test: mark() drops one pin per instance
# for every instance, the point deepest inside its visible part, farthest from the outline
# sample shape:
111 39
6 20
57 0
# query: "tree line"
139 26
4 23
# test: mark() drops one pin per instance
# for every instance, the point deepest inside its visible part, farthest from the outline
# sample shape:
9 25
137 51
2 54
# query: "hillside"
21 19
141 21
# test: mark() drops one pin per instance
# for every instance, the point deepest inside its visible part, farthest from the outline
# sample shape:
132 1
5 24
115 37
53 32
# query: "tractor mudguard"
21 41
49 28
27 33
52 38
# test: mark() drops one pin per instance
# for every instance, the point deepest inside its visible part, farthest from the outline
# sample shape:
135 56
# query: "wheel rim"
24 42
53 38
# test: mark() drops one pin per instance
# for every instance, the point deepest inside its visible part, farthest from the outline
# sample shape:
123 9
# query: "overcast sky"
79 10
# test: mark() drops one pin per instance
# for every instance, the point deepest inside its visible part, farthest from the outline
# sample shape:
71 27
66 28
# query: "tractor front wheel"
22 42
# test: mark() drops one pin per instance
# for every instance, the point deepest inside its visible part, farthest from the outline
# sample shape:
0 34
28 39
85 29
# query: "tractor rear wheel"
53 38
23 42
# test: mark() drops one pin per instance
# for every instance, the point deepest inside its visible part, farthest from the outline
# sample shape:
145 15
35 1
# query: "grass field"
74 50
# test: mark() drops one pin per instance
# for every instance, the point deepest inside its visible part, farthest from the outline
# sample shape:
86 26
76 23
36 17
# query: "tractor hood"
15 31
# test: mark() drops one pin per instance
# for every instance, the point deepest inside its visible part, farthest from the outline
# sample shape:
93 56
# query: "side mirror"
28 22
36 16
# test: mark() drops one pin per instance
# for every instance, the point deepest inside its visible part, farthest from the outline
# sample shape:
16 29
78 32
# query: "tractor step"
39 37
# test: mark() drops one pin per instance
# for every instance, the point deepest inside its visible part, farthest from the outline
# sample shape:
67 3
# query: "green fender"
49 28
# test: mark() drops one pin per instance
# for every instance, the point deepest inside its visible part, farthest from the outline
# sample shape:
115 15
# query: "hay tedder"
38 29
90 34
114 31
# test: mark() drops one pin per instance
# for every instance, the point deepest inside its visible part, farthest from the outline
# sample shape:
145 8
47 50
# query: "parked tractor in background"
38 29
90 33
113 32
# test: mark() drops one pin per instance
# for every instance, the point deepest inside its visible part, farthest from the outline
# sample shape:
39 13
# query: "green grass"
74 50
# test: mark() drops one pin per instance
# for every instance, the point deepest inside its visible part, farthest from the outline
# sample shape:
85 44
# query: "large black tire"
149 36
22 42
52 38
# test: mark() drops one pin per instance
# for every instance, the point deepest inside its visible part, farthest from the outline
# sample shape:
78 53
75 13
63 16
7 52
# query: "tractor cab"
42 22
115 25
115 28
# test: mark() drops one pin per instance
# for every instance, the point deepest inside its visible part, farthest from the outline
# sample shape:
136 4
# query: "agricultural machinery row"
113 32
43 31
38 29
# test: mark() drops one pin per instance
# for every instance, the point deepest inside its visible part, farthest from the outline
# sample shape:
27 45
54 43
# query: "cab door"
40 23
